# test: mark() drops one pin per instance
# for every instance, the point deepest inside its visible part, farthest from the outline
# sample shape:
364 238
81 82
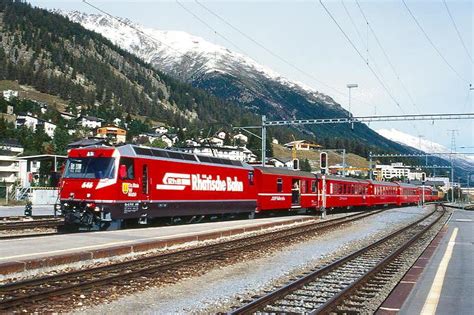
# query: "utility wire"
431 42
210 27
285 61
387 58
362 57
136 29
457 31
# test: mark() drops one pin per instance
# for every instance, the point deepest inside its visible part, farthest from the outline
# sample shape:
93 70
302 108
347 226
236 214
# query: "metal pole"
370 165
452 181
344 162
264 139
349 102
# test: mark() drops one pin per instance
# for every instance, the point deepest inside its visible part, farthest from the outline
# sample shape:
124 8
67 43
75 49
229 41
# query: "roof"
42 157
86 143
283 171
91 118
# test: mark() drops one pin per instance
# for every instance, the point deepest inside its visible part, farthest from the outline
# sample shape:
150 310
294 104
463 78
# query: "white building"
221 135
9 165
281 162
9 94
47 126
242 138
161 129
214 141
397 170
26 120
90 122
226 152
67 116
169 139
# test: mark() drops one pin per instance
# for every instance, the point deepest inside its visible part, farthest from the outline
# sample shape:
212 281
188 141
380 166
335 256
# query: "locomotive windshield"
91 167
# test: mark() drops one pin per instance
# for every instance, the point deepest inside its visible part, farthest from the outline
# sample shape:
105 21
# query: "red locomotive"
106 186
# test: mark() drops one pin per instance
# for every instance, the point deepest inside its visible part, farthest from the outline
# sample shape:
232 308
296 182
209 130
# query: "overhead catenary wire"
379 44
457 31
277 56
209 27
433 45
362 57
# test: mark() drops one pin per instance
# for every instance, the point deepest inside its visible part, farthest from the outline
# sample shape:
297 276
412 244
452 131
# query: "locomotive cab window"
127 169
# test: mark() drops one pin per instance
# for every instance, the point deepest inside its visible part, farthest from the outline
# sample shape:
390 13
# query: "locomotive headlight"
57 206
96 209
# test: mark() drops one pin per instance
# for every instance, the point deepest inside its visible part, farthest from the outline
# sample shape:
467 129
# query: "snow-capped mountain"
181 54
423 145
228 75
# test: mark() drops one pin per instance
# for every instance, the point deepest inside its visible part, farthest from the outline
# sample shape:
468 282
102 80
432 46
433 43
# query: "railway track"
349 284
30 293
16 227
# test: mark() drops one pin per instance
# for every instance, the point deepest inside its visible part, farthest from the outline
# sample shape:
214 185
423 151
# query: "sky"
304 34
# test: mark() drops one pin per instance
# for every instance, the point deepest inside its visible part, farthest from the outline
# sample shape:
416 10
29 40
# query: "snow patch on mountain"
419 143
175 50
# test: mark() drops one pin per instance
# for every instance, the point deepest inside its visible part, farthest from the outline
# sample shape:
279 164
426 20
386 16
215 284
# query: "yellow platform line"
431 303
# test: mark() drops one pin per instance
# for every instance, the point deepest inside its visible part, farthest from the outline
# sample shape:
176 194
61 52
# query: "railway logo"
199 182
174 181
125 188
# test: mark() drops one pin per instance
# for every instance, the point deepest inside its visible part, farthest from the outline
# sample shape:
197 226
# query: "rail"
274 302
31 292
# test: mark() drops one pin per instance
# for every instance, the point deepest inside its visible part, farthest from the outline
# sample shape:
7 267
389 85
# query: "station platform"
19 211
27 254
442 279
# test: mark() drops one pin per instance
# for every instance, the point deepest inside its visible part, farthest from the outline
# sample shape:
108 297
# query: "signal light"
423 177
323 160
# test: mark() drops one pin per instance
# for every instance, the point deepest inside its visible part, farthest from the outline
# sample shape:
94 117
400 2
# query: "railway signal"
323 162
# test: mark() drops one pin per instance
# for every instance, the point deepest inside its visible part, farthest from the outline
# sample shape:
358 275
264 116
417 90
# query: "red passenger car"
343 192
285 189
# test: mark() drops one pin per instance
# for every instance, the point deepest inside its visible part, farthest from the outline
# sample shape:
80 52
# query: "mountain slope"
230 76
427 146
54 55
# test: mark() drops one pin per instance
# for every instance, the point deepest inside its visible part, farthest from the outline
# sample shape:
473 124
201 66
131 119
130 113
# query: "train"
106 187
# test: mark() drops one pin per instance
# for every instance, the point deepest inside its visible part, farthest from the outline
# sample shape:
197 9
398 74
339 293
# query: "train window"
279 185
303 186
128 162
313 186
160 153
145 179
251 178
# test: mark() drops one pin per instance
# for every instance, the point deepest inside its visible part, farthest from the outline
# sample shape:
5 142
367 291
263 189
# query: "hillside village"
30 127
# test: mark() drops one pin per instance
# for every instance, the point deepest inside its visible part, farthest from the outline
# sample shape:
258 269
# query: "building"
221 135
67 116
9 164
9 94
169 139
114 134
243 139
161 129
47 126
394 170
26 120
302 145
281 162
213 141
226 152
90 122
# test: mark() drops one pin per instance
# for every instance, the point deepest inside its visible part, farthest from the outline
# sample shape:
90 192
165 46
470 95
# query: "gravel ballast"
221 288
